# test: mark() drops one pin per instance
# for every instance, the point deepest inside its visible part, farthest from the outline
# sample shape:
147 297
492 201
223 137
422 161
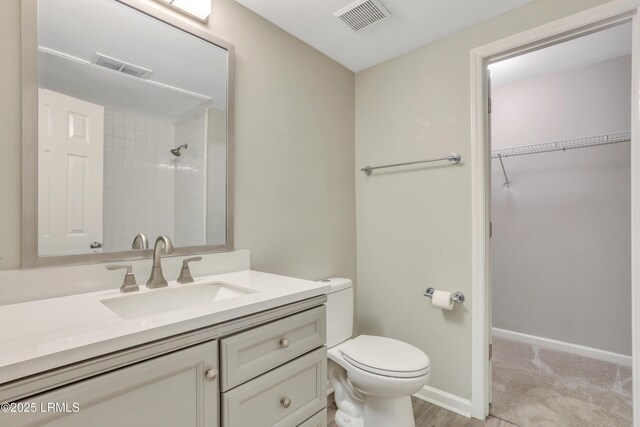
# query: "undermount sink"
174 298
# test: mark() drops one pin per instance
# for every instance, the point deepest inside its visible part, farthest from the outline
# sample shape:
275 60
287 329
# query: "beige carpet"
534 386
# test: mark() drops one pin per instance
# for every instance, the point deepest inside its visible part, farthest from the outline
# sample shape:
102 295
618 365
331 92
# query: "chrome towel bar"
453 159
456 297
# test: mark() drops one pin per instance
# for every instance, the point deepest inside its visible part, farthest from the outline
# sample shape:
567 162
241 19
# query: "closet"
561 243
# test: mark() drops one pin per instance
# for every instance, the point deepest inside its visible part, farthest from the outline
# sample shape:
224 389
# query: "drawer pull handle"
211 374
284 343
285 402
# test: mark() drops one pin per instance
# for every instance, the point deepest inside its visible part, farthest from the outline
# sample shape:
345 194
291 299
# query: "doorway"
584 23
560 123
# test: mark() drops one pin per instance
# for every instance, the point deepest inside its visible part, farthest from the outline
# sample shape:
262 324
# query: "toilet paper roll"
442 299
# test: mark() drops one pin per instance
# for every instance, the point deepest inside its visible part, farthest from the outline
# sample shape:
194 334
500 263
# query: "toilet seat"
385 356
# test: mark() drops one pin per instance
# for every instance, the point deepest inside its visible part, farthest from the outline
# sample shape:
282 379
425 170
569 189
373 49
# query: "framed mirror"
127 133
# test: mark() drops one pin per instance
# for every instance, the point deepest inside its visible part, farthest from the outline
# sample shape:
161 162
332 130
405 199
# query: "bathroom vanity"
255 358
126 138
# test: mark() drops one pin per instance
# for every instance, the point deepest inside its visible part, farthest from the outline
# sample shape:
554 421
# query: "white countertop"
45 334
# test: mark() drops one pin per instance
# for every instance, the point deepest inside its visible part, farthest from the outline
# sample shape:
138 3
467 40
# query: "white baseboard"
445 400
579 350
440 398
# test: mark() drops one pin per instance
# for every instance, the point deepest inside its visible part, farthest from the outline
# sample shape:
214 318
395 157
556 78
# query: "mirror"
132 133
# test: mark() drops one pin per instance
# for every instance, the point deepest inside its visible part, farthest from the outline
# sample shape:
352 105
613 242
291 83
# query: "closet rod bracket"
504 172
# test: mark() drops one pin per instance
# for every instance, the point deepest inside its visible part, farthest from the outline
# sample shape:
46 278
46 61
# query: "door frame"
583 23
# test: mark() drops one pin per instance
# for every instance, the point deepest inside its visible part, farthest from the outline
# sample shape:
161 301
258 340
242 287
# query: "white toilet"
373 377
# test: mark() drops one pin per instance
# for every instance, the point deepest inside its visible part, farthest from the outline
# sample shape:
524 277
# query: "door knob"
284 343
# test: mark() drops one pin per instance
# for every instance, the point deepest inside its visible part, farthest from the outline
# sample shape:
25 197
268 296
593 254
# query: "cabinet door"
172 390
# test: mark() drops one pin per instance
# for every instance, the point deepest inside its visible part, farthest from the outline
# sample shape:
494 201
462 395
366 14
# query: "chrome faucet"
157 280
140 242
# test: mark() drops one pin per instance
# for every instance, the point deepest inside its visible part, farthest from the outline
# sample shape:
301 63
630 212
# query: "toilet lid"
385 356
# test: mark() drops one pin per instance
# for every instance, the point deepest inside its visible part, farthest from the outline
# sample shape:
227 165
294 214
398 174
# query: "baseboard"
445 400
576 349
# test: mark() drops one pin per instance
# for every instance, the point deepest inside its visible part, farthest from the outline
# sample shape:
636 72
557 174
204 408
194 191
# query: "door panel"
70 169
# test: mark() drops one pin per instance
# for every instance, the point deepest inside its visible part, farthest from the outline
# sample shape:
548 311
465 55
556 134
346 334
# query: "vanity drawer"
318 420
286 396
248 354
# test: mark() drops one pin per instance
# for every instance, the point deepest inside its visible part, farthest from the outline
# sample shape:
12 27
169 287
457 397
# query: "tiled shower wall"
138 179
189 188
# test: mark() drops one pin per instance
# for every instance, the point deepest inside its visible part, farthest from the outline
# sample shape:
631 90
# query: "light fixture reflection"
200 9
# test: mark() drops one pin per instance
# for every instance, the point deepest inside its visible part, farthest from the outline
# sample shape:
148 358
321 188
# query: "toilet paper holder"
456 297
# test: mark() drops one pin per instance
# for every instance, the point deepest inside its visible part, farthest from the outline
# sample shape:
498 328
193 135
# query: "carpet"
535 386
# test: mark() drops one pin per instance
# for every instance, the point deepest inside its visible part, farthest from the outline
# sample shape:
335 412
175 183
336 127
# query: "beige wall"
295 196
414 227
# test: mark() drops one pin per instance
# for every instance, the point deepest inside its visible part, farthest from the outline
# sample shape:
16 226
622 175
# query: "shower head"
177 151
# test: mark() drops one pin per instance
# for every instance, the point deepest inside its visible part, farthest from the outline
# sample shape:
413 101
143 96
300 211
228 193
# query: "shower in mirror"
177 151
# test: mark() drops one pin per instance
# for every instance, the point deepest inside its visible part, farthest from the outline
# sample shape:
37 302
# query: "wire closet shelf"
568 144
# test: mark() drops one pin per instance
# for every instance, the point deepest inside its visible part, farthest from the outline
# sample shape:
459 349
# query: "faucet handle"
185 262
185 273
129 268
129 284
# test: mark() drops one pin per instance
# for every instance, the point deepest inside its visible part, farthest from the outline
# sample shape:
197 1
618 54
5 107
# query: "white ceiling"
412 23
591 49
77 29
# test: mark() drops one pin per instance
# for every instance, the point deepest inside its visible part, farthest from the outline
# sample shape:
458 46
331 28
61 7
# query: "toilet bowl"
373 377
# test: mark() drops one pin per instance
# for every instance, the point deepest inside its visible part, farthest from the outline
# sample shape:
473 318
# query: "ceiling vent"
362 14
120 66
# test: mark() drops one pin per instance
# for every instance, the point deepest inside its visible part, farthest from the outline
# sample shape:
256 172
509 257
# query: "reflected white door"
70 165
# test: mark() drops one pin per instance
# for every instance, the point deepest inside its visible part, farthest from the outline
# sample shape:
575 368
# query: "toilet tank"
339 311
